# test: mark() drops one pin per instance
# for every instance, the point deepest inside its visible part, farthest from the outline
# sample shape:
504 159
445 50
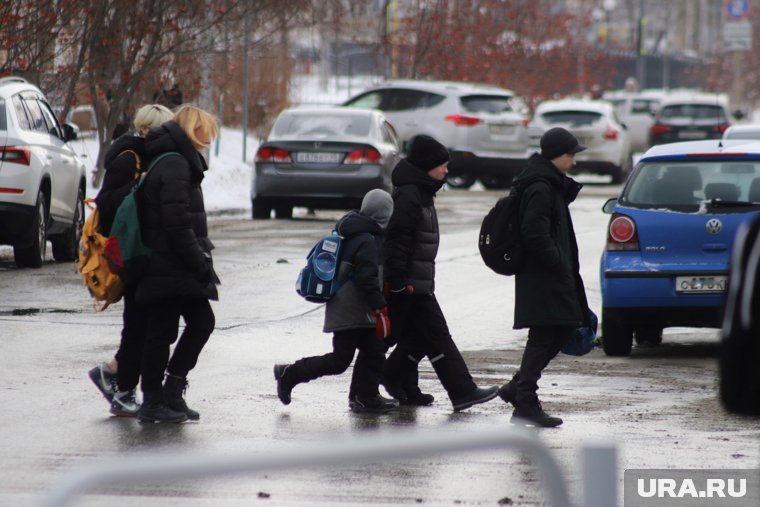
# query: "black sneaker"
104 380
478 395
284 386
415 397
508 392
153 410
374 405
532 414
124 404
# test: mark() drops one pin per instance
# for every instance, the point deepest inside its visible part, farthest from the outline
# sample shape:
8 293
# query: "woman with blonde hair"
124 161
180 278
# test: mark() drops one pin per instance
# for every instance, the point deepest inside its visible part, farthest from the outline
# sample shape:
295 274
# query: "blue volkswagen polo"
670 236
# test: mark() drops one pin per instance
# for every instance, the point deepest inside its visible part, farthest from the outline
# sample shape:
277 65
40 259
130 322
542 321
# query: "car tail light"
16 154
610 133
659 129
273 154
363 156
525 122
462 120
621 233
720 128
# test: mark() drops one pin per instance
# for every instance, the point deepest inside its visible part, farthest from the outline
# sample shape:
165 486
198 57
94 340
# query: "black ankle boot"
532 413
174 388
508 391
153 409
284 382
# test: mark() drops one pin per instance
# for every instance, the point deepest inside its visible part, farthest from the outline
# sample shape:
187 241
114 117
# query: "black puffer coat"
121 166
412 236
549 290
173 220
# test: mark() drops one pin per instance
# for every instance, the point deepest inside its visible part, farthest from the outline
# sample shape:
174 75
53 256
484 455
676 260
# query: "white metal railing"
597 464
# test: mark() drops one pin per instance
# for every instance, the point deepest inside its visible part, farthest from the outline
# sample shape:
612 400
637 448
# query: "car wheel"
496 182
648 336
461 181
283 211
617 338
617 175
260 211
33 255
66 245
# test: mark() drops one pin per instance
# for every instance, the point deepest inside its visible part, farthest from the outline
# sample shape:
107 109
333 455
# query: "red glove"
382 322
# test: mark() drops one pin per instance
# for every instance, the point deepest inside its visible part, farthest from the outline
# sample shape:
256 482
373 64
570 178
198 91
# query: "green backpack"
125 252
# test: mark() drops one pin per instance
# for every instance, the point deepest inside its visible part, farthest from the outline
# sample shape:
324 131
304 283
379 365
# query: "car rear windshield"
679 185
323 125
486 103
3 120
695 111
573 118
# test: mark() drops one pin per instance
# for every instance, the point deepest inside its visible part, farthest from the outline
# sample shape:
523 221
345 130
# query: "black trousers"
369 362
162 330
133 331
418 324
544 343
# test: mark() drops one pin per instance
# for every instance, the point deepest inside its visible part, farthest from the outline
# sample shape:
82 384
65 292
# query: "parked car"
484 127
42 181
741 132
689 116
322 158
596 126
670 237
636 111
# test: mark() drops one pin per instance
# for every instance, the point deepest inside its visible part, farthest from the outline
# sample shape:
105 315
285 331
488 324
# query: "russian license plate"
502 130
701 284
318 157
691 134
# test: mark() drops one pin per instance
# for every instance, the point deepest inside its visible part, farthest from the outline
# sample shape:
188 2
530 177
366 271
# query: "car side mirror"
609 205
69 133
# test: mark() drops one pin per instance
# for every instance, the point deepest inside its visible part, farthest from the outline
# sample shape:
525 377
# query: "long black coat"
549 290
121 166
173 220
412 237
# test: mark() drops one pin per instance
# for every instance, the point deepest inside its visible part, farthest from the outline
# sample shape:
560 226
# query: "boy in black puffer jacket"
357 315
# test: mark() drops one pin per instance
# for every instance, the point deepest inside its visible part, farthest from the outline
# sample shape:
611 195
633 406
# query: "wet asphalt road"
54 422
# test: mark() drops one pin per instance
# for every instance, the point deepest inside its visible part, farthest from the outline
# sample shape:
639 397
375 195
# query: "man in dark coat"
550 298
410 249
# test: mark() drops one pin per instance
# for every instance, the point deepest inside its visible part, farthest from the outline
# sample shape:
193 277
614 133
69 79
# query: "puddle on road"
21 312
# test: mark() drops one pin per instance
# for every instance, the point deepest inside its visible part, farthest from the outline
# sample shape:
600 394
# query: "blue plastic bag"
584 340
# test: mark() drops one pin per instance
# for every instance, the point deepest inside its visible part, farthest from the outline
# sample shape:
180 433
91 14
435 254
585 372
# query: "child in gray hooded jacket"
357 315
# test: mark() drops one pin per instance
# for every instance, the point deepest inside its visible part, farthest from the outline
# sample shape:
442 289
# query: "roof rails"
12 79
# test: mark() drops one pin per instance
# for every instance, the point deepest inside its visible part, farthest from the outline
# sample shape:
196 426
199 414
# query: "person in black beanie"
550 298
410 249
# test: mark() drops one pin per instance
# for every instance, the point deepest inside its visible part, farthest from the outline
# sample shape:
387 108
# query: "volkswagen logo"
714 226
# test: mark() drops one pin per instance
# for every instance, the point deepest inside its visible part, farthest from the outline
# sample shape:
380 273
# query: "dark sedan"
322 158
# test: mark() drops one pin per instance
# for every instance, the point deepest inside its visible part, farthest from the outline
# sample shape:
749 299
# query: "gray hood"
378 205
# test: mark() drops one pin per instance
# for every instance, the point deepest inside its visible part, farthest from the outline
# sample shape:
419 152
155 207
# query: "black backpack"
740 346
499 242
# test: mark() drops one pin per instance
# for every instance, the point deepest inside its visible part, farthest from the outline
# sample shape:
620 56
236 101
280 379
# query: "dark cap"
426 153
557 141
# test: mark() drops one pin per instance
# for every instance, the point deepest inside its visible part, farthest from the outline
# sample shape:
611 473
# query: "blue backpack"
584 339
317 281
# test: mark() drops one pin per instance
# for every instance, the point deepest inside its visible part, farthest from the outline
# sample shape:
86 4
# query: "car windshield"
689 185
321 125
695 111
572 118
486 103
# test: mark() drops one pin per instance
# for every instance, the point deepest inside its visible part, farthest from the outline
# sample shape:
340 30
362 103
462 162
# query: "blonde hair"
151 115
190 118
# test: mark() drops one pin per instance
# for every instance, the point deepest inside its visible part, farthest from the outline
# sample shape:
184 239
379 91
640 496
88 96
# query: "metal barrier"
597 462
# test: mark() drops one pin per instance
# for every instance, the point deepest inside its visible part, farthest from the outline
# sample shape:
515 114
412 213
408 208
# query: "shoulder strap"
154 162
137 161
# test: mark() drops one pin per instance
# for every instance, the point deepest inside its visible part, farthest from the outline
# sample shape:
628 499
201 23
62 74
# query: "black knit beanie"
557 141
426 153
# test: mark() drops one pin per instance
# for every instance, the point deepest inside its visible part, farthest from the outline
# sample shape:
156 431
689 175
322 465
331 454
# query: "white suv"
42 181
484 127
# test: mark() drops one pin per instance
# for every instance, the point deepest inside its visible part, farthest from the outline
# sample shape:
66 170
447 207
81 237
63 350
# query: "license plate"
691 134
502 130
701 284
317 157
